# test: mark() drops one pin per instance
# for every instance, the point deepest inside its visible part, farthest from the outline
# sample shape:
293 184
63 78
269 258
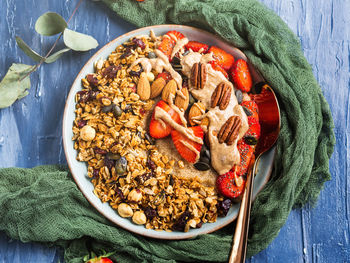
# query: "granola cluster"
124 165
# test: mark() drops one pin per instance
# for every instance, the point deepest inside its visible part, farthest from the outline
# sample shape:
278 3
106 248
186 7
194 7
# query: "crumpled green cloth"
43 204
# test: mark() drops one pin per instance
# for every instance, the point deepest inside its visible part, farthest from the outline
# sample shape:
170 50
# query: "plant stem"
53 46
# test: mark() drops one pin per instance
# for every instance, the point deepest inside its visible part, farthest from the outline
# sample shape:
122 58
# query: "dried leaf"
56 55
11 86
78 41
27 50
50 24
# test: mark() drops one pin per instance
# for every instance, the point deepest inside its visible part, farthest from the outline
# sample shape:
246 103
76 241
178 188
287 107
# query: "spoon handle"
239 245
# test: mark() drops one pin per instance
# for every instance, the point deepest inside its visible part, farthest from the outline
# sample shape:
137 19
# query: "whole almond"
182 103
143 87
170 88
157 87
196 110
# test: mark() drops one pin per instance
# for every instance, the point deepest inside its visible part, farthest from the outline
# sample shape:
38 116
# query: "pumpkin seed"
149 138
152 55
121 165
117 111
108 108
159 198
239 96
205 152
247 111
251 140
202 164
113 156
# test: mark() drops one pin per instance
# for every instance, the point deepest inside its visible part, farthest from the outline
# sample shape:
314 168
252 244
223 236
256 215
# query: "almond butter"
157 87
182 101
170 88
143 87
196 110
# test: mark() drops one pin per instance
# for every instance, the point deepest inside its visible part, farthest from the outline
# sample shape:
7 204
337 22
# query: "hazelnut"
135 195
139 218
87 133
150 76
124 210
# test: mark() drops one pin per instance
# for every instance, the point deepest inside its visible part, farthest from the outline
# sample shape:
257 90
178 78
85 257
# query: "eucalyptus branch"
53 46
16 83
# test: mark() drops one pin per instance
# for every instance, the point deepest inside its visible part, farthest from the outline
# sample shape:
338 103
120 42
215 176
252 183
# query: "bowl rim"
92 59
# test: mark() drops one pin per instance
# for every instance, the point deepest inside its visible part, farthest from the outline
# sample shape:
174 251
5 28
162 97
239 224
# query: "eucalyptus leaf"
11 86
56 55
78 41
50 24
27 50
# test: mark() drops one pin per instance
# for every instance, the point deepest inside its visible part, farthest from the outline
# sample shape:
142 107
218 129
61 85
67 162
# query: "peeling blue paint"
30 130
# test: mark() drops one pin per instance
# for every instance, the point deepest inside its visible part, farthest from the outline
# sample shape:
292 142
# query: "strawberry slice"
252 108
160 129
241 76
226 185
165 75
214 64
175 35
169 42
224 59
246 152
186 153
166 46
197 46
253 134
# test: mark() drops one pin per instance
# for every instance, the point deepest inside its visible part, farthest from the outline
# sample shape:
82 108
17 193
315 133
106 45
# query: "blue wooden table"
30 130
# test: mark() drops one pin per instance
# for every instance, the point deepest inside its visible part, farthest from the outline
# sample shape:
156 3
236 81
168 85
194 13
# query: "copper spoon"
270 122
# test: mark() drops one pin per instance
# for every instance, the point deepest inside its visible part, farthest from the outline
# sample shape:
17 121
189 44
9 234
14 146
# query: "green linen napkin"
43 204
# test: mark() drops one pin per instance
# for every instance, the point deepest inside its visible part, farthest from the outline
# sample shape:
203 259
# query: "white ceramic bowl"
79 169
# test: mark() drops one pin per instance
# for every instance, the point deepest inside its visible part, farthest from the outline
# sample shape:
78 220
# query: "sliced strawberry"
169 41
252 108
241 76
196 46
214 64
226 185
253 134
186 153
101 259
159 129
175 35
166 46
246 152
224 59
165 75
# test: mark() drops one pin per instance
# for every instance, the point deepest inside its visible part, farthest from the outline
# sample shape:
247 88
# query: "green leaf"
50 24
11 86
56 55
78 41
27 50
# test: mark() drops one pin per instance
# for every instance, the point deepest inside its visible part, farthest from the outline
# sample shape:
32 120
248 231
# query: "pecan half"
198 76
221 96
229 131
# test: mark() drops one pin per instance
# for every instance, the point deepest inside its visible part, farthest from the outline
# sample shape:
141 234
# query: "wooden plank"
30 131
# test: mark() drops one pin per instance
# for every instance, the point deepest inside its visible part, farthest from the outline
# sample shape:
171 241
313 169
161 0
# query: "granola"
110 124
146 179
